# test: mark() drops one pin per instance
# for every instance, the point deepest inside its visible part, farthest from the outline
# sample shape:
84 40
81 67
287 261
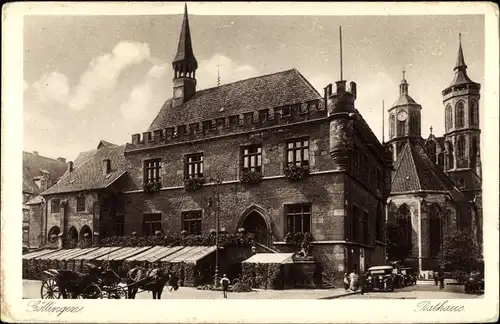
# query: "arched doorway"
435 230
86 235
72 239
255 223
404 223
53 233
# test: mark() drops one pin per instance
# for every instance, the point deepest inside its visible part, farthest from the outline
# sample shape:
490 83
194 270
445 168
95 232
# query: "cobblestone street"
423 290
31 290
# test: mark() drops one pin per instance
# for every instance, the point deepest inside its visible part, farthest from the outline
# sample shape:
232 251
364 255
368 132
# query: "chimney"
35 153
60 159
70 166
106 166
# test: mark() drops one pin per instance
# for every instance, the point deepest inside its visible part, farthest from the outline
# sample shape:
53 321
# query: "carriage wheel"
92 292
119 292
50 289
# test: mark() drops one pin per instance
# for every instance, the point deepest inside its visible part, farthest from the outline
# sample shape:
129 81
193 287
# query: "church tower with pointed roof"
404 120
184 65
462 131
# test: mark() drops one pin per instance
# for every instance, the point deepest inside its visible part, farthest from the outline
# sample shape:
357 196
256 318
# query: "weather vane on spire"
404 73
460 37
430 128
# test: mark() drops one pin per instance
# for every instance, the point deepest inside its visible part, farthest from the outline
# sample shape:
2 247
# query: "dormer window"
286 111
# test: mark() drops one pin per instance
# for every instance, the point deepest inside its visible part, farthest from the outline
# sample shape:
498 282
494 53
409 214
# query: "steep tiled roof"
263 92
34 165
404 100
415 172
90 174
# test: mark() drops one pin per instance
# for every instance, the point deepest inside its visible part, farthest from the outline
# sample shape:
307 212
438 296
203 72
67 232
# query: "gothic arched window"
459 115
380 224
449 155
401 128
430 148
460 147
435 230
392 123
414 123
448 117
473 152
474 114
440 160
404 223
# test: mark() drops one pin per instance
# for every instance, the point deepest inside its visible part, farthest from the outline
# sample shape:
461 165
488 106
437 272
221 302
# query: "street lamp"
217 181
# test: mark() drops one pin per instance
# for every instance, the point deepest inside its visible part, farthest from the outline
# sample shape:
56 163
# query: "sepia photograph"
186 154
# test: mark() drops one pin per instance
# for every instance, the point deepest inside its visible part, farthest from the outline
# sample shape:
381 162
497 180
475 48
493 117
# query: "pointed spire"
430 129
460 59
185 48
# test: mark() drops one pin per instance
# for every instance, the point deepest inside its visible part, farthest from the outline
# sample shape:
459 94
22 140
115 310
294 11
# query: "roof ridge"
399 162
306 81
243 80
43 157
413 157
433 168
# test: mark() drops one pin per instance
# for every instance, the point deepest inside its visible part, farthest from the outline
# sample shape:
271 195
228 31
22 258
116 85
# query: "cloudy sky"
88 78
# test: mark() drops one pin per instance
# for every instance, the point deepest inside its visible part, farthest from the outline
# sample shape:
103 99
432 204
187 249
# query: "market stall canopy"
75 253
189 254
37 254
123 253
155 253
270 258
97 253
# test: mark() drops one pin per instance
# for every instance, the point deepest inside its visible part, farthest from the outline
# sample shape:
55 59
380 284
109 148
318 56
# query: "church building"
436 182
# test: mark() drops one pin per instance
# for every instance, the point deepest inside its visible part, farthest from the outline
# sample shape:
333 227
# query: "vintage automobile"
380 278
474 284
408 275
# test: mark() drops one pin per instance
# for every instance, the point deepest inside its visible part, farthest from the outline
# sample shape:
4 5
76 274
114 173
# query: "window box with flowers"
192 184
251 177
295 172
153 186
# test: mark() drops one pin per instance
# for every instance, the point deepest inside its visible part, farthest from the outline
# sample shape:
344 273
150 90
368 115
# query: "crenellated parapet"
247 121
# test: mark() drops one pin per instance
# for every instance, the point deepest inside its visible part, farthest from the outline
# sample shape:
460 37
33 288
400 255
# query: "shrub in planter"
192 184
295 172
153 186
251 177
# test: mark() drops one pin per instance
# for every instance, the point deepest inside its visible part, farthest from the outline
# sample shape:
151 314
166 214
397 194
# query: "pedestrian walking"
353 280
441 278
346 281
225 285
362 281
435 276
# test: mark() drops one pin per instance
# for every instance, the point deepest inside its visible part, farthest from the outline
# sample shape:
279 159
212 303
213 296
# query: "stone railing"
230 124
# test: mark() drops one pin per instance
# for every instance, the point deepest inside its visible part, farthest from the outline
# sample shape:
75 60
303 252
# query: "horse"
151 280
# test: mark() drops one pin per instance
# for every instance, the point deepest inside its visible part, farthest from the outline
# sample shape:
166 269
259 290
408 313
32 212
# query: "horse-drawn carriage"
105 283
96 283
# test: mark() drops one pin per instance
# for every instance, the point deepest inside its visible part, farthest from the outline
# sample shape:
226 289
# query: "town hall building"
280 157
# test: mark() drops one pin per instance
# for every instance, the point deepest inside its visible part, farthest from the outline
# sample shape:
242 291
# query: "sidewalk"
31 289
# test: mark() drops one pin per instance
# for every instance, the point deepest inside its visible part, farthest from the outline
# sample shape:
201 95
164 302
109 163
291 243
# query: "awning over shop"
189 254
123 253
58 255
270 258
97 253
75 253
156 253
35 254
